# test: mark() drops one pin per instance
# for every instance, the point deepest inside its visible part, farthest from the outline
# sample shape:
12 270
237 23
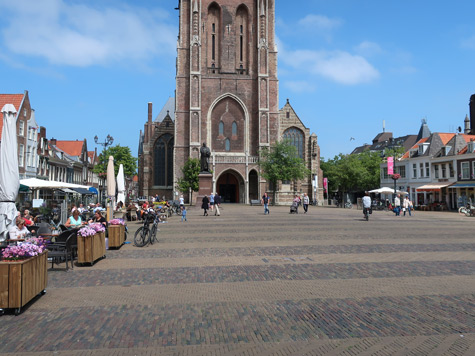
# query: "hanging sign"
390 166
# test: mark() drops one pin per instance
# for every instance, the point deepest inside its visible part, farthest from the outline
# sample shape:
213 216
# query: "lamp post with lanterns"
107 142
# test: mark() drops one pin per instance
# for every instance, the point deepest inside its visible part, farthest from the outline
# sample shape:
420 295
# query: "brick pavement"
325 283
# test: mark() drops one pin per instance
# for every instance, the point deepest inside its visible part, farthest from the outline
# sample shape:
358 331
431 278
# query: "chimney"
472 113
52 141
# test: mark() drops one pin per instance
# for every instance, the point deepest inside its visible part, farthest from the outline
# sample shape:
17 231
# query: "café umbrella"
110 181
9 175
121 185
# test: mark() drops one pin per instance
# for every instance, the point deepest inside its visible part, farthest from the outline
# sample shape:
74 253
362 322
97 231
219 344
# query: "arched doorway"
229 186
253 185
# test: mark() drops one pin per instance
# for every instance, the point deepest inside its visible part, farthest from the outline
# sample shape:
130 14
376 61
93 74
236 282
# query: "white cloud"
80 35
368 48
300 86
320 22
339 66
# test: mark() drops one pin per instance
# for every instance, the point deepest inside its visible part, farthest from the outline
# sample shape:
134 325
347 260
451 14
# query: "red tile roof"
136 178
422 140
446 137
72 148
14 99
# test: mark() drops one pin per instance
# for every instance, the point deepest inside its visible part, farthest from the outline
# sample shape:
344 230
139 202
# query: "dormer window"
423 148
471 147
447 150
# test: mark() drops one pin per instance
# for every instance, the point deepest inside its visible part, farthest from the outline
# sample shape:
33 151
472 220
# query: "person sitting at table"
98 207
98 218
19 231
74 221
28 218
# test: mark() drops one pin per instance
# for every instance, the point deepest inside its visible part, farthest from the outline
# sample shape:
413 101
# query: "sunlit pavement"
245 283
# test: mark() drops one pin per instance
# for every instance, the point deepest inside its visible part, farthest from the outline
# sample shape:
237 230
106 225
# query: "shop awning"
432 187
67 190
462 185
83 191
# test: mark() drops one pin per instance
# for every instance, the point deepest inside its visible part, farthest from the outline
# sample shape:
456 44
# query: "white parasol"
121 185
9 175
110 177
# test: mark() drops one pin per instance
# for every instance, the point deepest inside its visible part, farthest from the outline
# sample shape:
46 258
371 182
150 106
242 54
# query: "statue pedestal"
206 187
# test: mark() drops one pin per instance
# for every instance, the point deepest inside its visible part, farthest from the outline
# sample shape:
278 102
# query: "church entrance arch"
230 186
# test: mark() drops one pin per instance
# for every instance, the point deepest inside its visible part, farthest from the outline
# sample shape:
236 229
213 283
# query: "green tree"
357 172
281 162
191 171
122 155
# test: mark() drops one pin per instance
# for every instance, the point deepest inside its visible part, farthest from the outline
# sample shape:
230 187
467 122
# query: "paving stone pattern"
246 283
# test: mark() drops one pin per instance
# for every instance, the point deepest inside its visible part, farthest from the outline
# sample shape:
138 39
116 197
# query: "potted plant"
23 269
91 243
116 233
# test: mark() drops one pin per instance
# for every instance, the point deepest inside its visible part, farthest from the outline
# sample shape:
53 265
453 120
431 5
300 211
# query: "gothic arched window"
234 129
227 145
221 128
295 136
163 161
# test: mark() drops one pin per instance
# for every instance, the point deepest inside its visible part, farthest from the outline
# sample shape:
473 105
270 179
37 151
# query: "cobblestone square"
245 283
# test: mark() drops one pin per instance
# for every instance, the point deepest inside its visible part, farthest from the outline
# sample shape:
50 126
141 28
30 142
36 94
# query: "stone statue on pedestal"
205 153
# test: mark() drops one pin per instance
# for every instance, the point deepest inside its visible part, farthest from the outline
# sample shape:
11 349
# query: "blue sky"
91 66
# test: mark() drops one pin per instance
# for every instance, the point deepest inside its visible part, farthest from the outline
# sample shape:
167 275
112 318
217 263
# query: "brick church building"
226 96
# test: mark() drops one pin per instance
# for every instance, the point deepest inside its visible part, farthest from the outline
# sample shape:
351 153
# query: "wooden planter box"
21 281
116 235
91 248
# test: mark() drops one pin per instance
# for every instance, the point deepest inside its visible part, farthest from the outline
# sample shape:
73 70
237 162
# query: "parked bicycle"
146 233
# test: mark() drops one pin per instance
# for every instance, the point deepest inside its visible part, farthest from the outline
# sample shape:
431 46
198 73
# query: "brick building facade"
227 96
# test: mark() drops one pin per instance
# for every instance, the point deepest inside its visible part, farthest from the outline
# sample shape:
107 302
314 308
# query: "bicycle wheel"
141 237
152 234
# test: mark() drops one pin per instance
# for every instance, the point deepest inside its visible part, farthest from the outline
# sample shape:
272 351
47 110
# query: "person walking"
217 203
265 201
306 201
183 213
211 202
397 205
406 206
205 205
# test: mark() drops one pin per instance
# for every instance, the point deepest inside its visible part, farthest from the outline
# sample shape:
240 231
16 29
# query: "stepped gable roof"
168 109
72 148
15 99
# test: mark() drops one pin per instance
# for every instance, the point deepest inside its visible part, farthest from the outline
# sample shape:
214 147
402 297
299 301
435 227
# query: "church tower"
227 91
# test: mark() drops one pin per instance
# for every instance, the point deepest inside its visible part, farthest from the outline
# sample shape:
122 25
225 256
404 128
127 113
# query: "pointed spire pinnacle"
262 11
195 5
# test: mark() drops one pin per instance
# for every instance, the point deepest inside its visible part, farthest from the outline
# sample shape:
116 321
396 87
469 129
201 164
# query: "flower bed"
29 248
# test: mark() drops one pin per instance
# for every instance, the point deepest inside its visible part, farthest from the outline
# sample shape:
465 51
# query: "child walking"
183 214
